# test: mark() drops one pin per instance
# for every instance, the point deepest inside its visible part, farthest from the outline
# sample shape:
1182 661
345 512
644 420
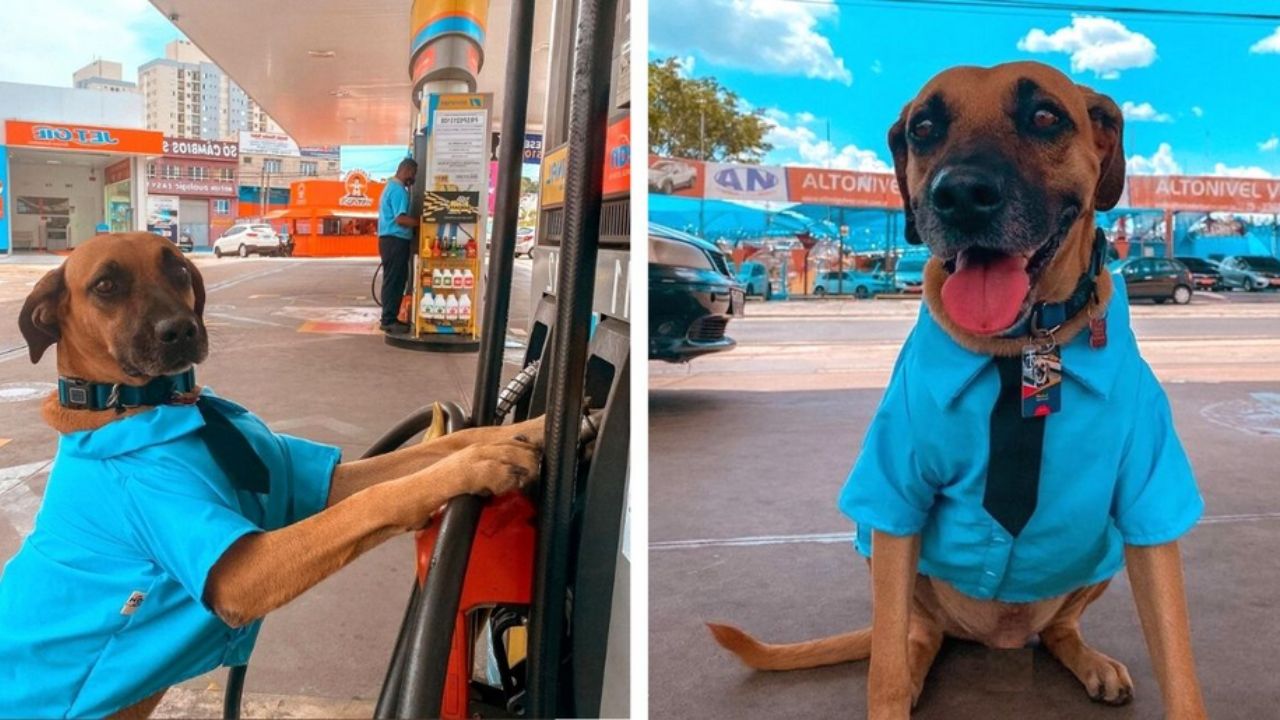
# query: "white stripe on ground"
845 537
232 282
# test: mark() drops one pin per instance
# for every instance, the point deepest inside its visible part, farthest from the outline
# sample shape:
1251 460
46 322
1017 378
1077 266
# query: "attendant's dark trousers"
395 252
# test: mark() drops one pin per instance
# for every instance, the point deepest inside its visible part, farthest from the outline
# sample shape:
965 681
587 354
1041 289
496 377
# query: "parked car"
667 176
692 296
1239 279
1264 266
526 239
754 279
1204 272
852 282
908 276
1158 279
245 238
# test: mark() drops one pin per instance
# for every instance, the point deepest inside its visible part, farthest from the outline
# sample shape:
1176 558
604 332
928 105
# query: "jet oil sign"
746 182
58 136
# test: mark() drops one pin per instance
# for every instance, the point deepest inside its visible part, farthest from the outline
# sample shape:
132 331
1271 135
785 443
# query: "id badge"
1041 380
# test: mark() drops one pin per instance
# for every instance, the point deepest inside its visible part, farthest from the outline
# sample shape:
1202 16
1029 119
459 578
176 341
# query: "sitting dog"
1023 451
174 520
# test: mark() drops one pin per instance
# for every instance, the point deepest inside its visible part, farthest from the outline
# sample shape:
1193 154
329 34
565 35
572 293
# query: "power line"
1052 6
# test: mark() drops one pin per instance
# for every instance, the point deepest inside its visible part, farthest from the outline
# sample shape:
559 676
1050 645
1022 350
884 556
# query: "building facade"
187 96
271 162
198 179
70 164
102 75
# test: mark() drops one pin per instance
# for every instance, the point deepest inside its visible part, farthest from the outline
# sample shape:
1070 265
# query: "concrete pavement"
324 654
748 450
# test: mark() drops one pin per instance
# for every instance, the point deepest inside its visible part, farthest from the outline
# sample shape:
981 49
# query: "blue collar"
79 394
947 368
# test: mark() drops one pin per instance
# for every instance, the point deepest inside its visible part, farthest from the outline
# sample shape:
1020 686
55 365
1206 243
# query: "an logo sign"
746 182
446 206
554 166
83 137
848 188
203 149
617 162
357 184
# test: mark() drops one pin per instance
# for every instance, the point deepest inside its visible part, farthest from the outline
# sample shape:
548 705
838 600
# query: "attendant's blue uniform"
1113 470
395 248
102 606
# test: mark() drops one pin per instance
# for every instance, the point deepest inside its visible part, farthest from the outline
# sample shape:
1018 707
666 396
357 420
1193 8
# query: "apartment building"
102 75
187 96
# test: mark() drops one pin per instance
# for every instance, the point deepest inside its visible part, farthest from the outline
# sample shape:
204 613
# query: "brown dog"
1000 171
127 309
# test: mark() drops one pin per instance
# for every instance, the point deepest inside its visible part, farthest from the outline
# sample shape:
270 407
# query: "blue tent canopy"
714 219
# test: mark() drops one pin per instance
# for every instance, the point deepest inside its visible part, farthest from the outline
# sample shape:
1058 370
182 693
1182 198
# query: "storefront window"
272 165
222 207
309 169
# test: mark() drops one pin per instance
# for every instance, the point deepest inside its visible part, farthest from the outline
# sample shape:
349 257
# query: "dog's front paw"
499 467
1106 680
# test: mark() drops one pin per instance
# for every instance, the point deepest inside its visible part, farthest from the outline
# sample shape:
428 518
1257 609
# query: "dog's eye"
922 130
1044 119
105 286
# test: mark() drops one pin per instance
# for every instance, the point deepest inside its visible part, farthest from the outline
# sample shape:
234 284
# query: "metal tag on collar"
1041 378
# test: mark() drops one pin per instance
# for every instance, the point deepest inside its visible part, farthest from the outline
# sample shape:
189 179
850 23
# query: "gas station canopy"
334 72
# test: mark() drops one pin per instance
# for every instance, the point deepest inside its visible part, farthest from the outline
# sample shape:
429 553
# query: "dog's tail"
831 650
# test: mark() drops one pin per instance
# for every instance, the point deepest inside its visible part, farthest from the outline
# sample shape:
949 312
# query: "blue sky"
1201 96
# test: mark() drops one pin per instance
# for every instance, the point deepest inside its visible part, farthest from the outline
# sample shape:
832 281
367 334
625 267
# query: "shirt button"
990 574
1000 540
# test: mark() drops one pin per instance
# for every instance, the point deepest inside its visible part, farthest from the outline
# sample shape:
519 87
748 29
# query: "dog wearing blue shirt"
174 520
1023 452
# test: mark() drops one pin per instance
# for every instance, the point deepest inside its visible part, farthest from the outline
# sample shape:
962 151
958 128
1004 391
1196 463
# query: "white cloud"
1268 44
1095 43
1249 171
769 36
777 115
800 145
804 118
1197 111
685 65
46 44
1160 163
1143 112
1270 144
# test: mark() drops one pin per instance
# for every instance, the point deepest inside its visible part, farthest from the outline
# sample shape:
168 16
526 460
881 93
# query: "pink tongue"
985 297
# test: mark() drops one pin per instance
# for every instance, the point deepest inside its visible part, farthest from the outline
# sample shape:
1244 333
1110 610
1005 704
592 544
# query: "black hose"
235 688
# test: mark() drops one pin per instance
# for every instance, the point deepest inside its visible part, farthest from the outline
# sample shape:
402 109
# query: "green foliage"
698 118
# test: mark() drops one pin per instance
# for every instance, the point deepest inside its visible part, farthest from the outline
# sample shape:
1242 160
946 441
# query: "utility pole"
702 155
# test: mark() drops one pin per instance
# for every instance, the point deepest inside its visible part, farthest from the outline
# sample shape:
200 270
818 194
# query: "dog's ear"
898 148
38 319
197 286
1108 138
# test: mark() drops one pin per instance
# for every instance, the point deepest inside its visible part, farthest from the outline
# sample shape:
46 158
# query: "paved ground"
324 654
748 450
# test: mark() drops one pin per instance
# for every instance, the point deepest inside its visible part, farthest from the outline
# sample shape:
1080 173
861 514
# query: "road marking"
338 426
18 503
1257 416
847 537
5 441
232 282
241 318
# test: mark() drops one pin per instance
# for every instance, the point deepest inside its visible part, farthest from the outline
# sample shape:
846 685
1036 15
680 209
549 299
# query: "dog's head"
122 308
1000 171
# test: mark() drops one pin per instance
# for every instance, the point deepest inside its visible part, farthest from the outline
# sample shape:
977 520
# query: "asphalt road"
748 450
292 340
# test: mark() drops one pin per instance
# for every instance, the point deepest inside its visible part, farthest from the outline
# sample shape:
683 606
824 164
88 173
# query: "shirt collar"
947 368
159 425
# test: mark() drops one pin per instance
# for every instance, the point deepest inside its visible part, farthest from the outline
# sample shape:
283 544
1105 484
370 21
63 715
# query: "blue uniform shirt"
1113 471
394 202
101 607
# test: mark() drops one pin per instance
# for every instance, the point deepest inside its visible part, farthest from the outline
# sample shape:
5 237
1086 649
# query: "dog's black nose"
175 330
967 197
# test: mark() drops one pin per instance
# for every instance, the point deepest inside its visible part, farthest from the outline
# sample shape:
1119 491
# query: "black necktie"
1013 468
229 447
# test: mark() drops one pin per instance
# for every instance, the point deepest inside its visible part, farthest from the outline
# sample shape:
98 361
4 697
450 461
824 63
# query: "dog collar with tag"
77 394
1045 317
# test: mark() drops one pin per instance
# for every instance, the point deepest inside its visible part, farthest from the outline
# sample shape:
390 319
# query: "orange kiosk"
332 218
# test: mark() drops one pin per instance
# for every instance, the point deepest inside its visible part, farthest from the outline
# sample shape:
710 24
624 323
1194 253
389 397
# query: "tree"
698 118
